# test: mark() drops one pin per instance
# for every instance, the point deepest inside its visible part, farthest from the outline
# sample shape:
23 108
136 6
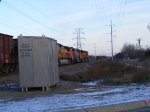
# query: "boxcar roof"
5 34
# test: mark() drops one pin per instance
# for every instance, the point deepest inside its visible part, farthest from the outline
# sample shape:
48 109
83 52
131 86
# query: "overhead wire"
119 9
119 13
122 16
17 26
99 18
111 11
13 27
103 14
116 21
23 14
119 17
43 13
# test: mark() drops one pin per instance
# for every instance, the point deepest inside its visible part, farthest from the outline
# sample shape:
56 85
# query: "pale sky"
59 18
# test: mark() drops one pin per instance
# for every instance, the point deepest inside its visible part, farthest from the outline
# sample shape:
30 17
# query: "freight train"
9 54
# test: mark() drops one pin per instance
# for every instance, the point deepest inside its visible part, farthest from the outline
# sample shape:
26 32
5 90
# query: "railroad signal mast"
139 40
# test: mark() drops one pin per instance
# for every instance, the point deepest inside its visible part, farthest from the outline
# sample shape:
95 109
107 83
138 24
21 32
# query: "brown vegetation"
112 72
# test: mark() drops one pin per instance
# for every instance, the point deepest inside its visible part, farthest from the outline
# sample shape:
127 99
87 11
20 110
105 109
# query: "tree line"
131 51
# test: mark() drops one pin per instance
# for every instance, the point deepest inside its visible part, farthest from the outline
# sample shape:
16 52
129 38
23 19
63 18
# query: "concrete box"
38 61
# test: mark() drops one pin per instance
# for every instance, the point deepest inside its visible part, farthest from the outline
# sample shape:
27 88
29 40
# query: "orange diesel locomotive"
69 55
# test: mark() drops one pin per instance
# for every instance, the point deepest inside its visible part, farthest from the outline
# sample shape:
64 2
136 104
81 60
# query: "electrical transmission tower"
112 35
139 40
78 32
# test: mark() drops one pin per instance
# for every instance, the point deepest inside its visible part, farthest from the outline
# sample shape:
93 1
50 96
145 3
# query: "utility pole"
78 32
139 40
111 33
95 50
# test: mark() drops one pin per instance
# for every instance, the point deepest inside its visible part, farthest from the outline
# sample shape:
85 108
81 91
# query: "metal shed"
38 62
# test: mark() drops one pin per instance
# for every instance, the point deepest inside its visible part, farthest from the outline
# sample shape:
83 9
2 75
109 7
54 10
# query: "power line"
120 3
43 13
99 18
103 13
17 26
122 16
22 13
13 27
119 11
119 19
111 9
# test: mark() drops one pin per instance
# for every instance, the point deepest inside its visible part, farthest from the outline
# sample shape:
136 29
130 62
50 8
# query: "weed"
113 72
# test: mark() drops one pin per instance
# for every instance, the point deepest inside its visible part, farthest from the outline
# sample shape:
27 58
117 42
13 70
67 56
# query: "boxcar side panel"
6 45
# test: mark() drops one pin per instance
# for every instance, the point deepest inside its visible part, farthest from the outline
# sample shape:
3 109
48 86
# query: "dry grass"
146 63
113 72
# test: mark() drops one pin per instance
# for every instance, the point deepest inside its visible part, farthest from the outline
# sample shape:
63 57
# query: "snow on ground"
60 102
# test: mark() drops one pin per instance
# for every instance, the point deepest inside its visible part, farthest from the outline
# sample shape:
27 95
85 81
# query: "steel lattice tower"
78 32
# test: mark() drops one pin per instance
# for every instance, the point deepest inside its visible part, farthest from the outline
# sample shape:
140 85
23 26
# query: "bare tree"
132 51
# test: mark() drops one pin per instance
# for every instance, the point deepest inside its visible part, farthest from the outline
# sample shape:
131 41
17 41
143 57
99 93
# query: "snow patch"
83 89
94 83
61 102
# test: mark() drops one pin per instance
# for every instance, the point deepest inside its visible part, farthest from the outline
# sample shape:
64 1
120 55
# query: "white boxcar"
38 62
